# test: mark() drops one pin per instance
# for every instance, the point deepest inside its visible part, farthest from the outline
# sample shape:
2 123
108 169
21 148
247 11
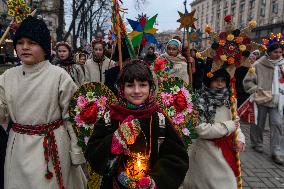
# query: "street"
258 170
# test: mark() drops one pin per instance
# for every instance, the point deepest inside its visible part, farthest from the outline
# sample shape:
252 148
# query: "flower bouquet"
162 68
176 99
89 103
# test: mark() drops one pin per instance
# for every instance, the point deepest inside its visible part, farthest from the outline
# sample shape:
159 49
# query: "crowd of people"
39 147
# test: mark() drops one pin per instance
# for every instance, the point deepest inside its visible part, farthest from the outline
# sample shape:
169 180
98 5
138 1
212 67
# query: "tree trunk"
60 28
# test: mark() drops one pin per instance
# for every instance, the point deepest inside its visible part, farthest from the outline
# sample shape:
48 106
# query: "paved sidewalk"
258 170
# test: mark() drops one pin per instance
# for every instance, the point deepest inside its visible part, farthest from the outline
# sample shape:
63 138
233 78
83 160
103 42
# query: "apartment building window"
275 7
263 2
262 11
242 7
225 4
225 12
233 10
233 2
251 4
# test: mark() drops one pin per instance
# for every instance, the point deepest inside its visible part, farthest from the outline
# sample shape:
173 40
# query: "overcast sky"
166 9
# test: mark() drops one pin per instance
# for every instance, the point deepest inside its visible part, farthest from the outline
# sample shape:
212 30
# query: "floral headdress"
272 38
63 43
231 48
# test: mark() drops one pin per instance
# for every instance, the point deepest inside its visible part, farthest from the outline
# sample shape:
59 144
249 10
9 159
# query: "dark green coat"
168 167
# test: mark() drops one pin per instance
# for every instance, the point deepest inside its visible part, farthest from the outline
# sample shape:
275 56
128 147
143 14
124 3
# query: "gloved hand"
126 134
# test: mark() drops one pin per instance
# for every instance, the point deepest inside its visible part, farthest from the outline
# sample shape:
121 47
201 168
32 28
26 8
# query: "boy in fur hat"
42 149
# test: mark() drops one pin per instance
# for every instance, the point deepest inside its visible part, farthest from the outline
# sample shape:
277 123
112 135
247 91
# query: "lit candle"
137 166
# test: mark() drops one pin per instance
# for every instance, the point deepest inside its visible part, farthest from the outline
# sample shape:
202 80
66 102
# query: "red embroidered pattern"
49 145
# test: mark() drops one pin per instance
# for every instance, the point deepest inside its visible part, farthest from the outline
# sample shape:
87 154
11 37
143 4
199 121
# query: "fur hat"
37 31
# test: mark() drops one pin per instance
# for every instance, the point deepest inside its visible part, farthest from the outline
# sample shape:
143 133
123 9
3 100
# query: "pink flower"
185 92
101 102
167 98
185 131
189 108
81 102
178 118
78 120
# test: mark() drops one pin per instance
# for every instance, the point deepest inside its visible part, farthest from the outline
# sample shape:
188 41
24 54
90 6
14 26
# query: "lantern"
137 166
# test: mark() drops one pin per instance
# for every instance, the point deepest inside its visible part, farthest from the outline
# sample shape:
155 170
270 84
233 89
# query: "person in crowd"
136 126
96 66
267 86
66 61
150 56
80 59
177 61
3 144
212 158
42 150
198 70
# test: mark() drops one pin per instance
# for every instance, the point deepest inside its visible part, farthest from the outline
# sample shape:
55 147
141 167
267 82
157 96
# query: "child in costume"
137 126
64 54
80 59
96 67
212 159
177 63
266 84
42 149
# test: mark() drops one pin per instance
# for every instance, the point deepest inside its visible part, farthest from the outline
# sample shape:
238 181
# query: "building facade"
269 14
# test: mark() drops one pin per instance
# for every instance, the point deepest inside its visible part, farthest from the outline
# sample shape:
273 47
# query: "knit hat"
35 30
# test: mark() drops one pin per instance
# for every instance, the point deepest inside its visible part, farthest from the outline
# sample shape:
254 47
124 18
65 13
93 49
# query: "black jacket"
168 167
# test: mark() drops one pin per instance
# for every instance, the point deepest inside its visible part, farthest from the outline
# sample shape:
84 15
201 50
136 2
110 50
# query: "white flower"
185 131
175 89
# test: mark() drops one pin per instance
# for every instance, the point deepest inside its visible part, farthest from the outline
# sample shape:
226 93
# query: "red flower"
246 41
223 35
228 18
179 102
160 64
89 114
219 51
238 56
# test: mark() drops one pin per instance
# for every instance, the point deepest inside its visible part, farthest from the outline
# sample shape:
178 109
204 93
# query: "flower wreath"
162 68
89 103
231 48
176 99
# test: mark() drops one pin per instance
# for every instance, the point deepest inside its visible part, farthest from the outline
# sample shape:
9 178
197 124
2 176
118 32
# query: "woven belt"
49 145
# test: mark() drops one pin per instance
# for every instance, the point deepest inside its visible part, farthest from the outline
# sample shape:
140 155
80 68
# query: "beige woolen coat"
93 72
31 95
208 168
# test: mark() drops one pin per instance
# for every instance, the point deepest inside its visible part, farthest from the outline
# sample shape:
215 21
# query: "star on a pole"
187 20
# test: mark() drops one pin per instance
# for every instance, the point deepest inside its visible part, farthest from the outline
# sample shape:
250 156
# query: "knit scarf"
119 112
99 60
278 83
209 100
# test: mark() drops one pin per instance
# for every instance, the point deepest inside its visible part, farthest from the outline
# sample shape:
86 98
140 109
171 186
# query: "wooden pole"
188 58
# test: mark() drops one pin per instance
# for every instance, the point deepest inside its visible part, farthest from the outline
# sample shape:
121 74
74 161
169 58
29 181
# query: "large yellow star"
187 20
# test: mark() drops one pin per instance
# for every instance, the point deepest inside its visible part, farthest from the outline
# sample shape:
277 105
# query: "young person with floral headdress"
66 61
212 158
267 85
42 150
97 65
176 63
137 126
